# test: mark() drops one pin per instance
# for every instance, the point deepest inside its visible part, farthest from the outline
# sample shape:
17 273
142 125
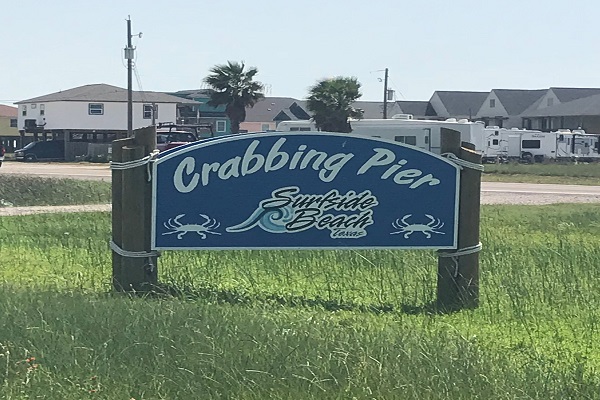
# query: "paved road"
58 170
492 192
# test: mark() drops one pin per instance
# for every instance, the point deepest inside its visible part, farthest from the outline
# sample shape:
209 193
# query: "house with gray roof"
544 116
269 111
503 107
91 113
457 104
418 109
580 113
374 109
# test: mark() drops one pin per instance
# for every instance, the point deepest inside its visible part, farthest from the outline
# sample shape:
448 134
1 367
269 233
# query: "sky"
48 46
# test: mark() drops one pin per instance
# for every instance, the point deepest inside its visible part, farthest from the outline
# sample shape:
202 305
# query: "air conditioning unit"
402 116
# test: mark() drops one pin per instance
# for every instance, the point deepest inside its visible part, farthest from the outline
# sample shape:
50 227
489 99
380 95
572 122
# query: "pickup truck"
169 135
168 140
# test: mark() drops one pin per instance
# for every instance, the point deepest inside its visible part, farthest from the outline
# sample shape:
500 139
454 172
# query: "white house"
92 113
96 107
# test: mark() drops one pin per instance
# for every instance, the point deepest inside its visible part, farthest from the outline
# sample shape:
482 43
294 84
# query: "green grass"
21 191
303 324
557 173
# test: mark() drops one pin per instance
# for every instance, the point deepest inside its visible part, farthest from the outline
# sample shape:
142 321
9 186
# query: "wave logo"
270 220
288 211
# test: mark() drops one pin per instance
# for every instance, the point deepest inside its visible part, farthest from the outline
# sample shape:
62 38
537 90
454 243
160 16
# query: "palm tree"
234 88
331 100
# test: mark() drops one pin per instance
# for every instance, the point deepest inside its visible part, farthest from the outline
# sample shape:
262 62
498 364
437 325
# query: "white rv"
529 145
424 134
577 144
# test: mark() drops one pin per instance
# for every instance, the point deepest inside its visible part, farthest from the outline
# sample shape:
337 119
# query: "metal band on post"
147 161
463 163
459 253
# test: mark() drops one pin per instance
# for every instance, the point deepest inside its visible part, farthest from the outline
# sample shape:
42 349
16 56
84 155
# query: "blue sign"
303 190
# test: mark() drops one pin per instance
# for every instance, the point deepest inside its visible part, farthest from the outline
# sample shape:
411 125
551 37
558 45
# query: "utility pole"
129 56
385 94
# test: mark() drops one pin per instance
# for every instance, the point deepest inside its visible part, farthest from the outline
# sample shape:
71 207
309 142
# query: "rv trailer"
501 144
424 134
578 145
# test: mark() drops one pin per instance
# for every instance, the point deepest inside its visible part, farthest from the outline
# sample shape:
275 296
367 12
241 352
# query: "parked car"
50 150
2 151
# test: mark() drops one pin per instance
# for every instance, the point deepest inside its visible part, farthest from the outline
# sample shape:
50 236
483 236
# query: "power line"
395 86
139 82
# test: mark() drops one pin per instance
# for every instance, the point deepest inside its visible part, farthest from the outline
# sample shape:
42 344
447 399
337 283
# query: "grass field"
303 324
20 191
573 174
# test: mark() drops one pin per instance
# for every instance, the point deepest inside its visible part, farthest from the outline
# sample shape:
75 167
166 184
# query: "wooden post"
146 137
117 210
132 202
462 290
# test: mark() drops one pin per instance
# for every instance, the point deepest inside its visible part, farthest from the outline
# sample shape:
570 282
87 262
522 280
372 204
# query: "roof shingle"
516 101
106 93
462 103
583 106
8 111
569 94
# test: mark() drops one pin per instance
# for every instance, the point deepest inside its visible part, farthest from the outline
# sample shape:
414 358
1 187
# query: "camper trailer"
424 134
577 144
501 144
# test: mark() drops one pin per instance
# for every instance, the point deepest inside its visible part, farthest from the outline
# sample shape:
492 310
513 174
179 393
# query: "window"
299 128
13 122
550 102
42 109
24 111
148 109
96 109
265 127
495 142
530 144
33 106
492 103
412 140
221 126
